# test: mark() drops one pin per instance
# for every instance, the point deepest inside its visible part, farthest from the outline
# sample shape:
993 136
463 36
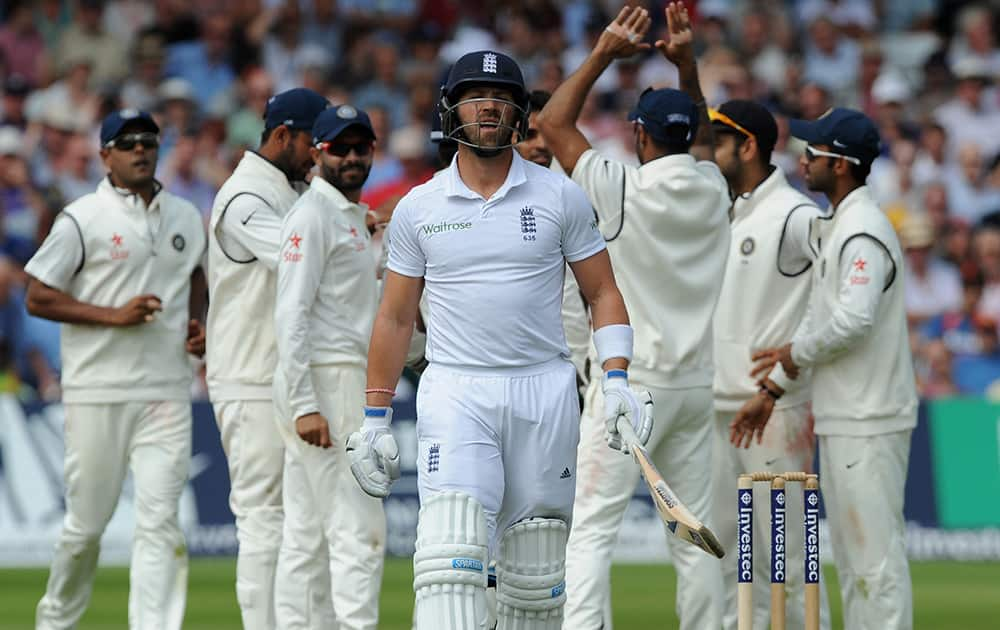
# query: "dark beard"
340 182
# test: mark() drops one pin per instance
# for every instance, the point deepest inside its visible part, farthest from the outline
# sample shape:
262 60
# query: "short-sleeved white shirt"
493 268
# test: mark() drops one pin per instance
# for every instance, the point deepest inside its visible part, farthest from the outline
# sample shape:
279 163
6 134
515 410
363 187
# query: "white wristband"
613 342
779 378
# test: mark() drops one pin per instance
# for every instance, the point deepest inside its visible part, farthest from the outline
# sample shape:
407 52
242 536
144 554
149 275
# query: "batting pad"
449 566
531 571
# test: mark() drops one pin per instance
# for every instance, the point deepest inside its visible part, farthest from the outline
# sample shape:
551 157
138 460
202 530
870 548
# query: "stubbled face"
727 147
132 167
818 171
533 147
348 172
488 123
295 159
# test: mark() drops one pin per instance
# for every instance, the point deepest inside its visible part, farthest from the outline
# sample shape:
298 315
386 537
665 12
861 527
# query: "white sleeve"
603 181
300 270
250 228
406 256
795 251
865 270
61 255
580 237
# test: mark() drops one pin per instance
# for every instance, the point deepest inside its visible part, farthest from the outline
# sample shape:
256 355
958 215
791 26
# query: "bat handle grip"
627 432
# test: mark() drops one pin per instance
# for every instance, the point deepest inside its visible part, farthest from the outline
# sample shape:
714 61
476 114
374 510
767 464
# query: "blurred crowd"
925 70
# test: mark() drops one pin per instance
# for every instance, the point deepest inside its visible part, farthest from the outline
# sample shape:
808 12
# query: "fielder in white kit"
668 235
327 295
122 270
763 298
497 409
244 244
854 337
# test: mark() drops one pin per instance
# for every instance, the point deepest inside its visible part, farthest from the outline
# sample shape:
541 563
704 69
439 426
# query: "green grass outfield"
947 595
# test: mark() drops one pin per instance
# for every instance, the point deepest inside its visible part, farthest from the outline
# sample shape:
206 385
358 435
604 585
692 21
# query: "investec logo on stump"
431 229
812 536
745 549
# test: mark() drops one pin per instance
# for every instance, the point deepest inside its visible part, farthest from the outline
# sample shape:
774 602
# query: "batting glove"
373 453
622 402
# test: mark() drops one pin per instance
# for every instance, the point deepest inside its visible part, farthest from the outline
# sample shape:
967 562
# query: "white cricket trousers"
333 543
255 453
863 480
104 441
681 448
505 437
788 446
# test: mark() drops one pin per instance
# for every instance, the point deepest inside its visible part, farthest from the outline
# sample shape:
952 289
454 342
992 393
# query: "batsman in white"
326 300
122 270
497 408
854 337
764 296
668 234
244 245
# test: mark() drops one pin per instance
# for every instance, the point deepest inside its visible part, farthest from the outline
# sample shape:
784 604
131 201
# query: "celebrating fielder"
764 295
854 337
325 304
667 232
121 269
244 242
497 410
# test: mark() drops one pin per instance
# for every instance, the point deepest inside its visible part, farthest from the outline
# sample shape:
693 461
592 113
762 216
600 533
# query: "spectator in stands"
968 117
986 252
930 163
12 112
934 373
76 174
931 286
205 62
21 204
384 89
976 373
955 328
141 89
243 127
181 173
831 60
21 43
410 146
967 193
974 38
385 165
107 54
177 111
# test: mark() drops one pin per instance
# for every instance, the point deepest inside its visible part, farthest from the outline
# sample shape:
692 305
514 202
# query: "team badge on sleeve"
859 275
292 253
178 242
747 246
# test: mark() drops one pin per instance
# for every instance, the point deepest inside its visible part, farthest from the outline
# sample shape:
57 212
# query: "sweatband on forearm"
613 342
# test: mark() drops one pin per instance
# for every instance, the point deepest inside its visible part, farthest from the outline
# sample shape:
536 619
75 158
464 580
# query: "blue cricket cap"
657 110
336 120
296 109
114 122
845 131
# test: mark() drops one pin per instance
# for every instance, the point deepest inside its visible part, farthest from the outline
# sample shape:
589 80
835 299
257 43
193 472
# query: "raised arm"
680 52
557 121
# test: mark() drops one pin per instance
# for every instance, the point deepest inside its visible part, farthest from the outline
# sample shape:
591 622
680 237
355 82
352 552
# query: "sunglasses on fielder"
716 116
812 153
341 149
127 141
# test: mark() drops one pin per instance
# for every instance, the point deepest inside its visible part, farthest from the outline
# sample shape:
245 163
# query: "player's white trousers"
862 481
102 443
507 439
681 447
788 445
255 454
333 541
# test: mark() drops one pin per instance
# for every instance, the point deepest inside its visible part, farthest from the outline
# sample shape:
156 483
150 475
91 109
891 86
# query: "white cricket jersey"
243 244
327 294
667 227
766 288
854 333
493 268
104 249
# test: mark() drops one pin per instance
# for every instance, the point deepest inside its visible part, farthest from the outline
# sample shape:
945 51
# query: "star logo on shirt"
354 232
859 264
295 240
117 240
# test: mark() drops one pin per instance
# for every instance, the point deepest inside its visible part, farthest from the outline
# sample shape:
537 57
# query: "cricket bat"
678 519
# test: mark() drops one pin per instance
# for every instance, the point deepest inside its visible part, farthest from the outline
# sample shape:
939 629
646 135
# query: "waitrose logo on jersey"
444 226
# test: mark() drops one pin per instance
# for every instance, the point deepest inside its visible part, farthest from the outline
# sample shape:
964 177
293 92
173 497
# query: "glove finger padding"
636 406
373 481
388 455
